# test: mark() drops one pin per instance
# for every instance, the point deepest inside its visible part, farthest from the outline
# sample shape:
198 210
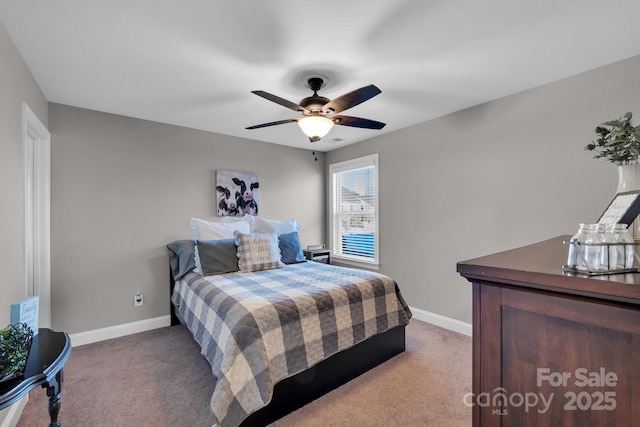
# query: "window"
354 211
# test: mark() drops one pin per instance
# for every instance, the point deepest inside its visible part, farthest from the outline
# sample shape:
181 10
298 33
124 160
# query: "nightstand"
47 356
318 255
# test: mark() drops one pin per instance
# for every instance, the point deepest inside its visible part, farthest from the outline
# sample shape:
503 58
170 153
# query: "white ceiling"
193 63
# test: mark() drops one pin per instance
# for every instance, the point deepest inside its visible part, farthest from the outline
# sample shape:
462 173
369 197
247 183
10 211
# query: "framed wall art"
237 193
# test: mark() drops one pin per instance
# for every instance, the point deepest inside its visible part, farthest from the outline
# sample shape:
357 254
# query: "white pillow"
261 225
283 227
258 251
249 219
207 230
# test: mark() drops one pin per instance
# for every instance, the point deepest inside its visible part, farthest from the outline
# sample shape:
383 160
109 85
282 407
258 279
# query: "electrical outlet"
138 300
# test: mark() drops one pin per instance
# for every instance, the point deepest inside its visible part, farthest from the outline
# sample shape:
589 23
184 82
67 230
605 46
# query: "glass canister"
593 247
602 249
629 245
621 247
576 258
614 247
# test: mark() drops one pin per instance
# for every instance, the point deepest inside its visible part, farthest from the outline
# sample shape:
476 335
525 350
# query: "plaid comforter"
256 329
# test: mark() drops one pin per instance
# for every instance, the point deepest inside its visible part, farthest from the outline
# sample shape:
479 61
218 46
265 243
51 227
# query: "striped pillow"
257 251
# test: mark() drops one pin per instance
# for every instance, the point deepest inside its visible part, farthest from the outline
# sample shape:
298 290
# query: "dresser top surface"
540 266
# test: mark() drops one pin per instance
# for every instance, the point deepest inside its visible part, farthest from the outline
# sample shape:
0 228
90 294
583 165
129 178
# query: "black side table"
49 352
318 255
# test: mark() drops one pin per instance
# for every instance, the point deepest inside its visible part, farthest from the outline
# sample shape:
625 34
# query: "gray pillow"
216 256
181 257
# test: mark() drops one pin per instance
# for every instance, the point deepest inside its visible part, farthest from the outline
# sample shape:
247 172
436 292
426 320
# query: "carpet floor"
158 378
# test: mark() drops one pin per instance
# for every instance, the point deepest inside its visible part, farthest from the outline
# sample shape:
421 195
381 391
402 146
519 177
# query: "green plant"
15 343
618 141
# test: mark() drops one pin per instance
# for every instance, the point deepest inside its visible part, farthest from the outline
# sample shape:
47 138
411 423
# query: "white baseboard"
10 416
444 322
96 335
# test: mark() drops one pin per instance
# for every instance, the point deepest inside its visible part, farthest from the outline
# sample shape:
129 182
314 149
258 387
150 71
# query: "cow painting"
237 193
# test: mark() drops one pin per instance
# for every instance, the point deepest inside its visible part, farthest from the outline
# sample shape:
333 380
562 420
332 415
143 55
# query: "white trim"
344 166
442 321
14 412
37 211
350 262
88 337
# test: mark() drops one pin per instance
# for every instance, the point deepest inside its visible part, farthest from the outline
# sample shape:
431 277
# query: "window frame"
346 166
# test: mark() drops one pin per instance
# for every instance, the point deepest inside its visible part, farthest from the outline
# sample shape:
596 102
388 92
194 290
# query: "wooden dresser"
552 348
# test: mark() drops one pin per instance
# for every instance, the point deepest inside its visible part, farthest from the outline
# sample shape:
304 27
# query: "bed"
279 331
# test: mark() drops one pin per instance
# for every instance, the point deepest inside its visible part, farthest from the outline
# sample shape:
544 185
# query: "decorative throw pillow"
258 251
216 257
182 257
290 248
207 230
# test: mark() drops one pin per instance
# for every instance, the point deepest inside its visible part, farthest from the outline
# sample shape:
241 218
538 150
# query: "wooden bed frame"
294 392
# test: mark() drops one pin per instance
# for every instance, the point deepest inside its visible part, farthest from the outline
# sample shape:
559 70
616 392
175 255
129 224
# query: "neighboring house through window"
354 211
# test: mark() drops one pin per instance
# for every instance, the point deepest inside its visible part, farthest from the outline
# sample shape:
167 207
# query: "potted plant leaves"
618 141
15 343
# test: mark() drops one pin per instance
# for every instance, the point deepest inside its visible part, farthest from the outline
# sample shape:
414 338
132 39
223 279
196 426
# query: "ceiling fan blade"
279 122
357 122
281 101
351 99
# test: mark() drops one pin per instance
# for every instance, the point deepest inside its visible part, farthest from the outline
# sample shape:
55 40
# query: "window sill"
348 262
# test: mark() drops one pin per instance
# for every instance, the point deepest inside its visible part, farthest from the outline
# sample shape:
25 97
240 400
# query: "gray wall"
16 86
493 177
122 188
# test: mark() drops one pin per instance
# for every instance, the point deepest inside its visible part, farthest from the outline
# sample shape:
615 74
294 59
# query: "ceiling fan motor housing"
315 102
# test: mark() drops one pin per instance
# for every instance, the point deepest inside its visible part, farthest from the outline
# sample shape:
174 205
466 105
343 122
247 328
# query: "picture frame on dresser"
623 209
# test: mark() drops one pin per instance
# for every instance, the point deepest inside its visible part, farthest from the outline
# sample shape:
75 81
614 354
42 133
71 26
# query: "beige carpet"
158 378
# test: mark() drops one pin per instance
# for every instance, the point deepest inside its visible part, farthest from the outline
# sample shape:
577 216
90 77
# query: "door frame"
37 211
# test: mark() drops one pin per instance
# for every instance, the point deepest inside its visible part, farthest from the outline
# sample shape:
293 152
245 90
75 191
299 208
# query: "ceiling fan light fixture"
315 127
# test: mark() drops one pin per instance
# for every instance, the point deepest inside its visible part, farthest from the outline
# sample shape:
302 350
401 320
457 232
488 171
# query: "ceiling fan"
319 112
